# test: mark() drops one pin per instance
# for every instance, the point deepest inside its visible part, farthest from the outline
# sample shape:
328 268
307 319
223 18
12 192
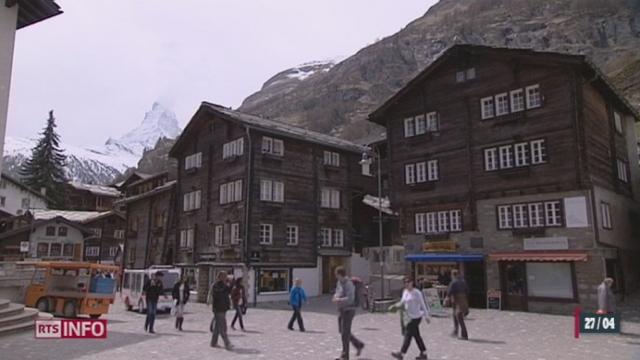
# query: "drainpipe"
247 212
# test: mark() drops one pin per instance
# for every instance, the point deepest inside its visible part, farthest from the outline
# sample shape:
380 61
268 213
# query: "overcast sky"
102 63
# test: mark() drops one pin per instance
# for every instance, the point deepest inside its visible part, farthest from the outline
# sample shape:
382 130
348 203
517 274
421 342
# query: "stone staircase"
16 317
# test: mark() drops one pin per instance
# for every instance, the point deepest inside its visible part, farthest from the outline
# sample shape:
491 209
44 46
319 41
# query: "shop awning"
539 256
444 257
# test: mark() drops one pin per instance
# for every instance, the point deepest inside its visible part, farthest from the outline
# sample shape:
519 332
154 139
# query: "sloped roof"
24 187
270 126
157 190
76 216
37 223
575 59
96 189
33 11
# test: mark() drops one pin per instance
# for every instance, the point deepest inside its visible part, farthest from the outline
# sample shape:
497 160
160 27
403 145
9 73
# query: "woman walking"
239 301
180 297
296 297
415 309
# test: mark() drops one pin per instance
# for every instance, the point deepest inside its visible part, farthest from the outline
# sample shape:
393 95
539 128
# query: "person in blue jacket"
297 296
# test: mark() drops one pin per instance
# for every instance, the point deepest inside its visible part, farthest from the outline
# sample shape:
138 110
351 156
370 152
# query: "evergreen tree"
45 168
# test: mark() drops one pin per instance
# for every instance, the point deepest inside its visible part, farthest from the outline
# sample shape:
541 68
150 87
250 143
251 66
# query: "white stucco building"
14 15
16 198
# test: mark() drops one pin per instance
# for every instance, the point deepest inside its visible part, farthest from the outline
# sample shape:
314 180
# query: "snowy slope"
101 165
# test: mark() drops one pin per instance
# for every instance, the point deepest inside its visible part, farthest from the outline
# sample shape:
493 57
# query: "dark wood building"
149 230
107 244
89 197
522 166
267 201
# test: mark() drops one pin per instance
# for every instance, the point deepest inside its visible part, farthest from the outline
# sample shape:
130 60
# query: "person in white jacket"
415 308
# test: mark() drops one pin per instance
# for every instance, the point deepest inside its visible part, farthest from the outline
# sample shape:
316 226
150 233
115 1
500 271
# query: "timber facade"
519 165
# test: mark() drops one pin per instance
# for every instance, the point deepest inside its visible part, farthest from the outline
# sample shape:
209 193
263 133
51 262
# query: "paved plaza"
493 335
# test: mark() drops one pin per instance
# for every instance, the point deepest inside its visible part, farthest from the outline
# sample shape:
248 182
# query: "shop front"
537 277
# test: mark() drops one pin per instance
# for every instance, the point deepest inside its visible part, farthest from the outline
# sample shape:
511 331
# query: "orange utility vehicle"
72 288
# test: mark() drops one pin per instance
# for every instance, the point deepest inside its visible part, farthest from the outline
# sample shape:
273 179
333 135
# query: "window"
538 152
273 281
438 222
617 121
55 249
231 192
26 202
63 230
623 171
235 233
366 168
471 73
504 217
186 238
338 238
432 223
233 148
410 174
455 220
421 125
331 158
292 235
3 201
460 76
330 198
541 284
50 231
432 167
67 250
536 215
491 159
605 209
520 219
272 146
97 232
113 250
506 156
487 107
432 122
421 172
502 104
266 234
420 222
409 129
193 161
91 251
271 191
325 237
534 99
553 213
42 250
218 235
517 100
443 223
192 200
522 153
465 75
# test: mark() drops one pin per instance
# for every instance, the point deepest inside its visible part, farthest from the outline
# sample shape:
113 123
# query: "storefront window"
550 280
68 250
56 249
274 280
42 249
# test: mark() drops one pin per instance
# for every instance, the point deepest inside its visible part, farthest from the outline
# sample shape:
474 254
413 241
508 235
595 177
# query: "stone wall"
14 279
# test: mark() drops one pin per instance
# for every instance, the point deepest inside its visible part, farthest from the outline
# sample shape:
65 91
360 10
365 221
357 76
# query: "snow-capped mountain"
101 165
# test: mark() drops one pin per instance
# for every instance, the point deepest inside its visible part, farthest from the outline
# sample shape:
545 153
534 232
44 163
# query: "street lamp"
367 160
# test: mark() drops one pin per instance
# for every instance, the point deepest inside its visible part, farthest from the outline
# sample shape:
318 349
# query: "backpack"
359 291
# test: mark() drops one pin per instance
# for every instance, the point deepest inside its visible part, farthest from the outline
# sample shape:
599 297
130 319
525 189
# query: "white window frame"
623 171
193 161
331 158
186 238
118 234
192 200
272 146
113 250
505 153
520 216
266 234
534 96
88 251
432 170
420 124
233 148
455 220
292 235
443 221
605 211
491 159
536 215
431 223
218 235
538 152
230 192
432 121
502 104
325 237
505 219
97 232
521 152
553 213
420 223
517 100
421 172
617 122
409 127
235 233
410 174
338 238
330 198
487 108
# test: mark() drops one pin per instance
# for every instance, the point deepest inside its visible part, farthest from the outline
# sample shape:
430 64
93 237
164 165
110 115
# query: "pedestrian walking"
239 301
180 294
457 297
218 298
345 299
151 291
415 309
606 298
297 296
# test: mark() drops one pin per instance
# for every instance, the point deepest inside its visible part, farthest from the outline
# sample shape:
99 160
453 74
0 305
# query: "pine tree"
45 168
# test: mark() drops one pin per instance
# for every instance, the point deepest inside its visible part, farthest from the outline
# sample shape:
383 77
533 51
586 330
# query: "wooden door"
514 286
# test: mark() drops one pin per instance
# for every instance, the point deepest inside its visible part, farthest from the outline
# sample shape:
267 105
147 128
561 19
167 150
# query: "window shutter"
279 192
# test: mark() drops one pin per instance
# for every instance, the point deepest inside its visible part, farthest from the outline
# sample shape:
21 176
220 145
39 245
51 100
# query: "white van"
133 281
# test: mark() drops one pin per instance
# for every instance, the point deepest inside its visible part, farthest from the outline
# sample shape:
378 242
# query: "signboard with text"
546 243
436 246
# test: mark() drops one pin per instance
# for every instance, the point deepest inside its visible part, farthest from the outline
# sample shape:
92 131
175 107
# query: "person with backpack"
297 296
180 295
239 300
345 299
218 298
415 308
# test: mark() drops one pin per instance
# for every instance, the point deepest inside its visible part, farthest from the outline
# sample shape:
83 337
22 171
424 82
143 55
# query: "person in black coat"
180 294
151 291
219 299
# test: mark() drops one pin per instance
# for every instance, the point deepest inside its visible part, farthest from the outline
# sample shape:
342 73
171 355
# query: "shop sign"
434 246
494 299
24 246
546 243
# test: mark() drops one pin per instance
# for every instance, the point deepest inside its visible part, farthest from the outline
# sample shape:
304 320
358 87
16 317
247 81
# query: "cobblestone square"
493 335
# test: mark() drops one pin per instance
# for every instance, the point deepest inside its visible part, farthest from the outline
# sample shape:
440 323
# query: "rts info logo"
71 329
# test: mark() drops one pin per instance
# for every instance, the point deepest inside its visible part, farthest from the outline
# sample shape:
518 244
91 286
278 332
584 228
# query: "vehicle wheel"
141 307
70 309
42 304
94 316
